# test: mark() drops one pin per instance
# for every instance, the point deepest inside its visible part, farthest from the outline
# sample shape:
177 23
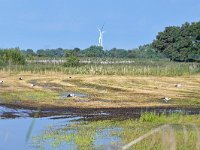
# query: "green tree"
75 52
94 51
179 43
117 53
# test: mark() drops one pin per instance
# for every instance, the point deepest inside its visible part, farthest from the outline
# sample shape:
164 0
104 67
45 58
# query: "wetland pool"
24 129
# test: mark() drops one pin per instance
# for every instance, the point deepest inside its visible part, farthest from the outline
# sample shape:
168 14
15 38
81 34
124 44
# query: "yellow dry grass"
103 90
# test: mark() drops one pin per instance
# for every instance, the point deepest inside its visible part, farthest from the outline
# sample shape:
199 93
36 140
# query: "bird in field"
71 95
178 85
32 85
166 99
1 81
20 78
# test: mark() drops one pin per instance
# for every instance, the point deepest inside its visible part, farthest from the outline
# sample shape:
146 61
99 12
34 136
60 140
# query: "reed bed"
107 67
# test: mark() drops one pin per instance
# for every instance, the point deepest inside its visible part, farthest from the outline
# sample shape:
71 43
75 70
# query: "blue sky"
73 23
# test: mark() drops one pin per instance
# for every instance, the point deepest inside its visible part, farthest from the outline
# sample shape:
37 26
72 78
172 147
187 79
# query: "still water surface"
14 132
20 131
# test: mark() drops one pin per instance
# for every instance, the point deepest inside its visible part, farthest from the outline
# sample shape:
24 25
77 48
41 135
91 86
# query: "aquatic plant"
181 132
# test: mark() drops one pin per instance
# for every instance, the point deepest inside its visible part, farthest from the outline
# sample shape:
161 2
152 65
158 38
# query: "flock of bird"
20 78
32 85
165 99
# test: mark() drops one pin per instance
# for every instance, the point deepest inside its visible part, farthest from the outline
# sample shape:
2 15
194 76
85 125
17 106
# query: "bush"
72 61
13 56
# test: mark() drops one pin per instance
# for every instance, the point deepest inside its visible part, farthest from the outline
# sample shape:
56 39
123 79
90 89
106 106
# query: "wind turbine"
101 32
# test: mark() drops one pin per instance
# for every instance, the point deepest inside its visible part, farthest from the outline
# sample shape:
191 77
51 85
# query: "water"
14 113
18 130
63 130
74 94
14 132
17 127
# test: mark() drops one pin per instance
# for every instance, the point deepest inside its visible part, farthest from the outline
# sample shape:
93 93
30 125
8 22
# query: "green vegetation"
36 96
161 118
12 57
135 67
145 51
182 133
72 61
94 51
180 43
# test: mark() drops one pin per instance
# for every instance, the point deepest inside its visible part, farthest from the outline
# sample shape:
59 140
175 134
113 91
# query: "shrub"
72 61
13 56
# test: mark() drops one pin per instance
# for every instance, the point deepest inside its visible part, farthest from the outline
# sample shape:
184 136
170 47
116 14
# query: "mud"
19 110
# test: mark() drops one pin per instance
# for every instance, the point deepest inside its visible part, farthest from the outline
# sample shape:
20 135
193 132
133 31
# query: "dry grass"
104 90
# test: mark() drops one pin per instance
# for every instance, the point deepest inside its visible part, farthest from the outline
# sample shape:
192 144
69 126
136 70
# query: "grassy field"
136 85
103 91
181 132
132 67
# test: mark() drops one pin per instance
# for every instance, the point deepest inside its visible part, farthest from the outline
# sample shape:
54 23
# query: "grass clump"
153 117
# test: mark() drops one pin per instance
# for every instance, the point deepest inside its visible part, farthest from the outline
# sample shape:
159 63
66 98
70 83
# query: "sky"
46 24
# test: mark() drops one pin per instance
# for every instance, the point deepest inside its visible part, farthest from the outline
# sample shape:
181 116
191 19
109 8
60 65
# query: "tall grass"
137 67
157 118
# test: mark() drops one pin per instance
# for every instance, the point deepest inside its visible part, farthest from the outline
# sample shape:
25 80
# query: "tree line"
145 51
176 43
19 57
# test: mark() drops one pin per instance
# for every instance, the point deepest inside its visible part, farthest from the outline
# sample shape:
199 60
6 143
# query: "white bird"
1 81
32 85
20 78
178 85
166 99
71 95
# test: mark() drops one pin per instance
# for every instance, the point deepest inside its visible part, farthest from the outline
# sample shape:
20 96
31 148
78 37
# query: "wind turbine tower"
101 32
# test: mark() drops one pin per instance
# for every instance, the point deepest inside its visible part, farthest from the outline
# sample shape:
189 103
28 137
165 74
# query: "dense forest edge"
175 43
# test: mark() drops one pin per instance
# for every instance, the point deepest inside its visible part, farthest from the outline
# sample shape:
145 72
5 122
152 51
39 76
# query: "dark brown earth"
94 113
